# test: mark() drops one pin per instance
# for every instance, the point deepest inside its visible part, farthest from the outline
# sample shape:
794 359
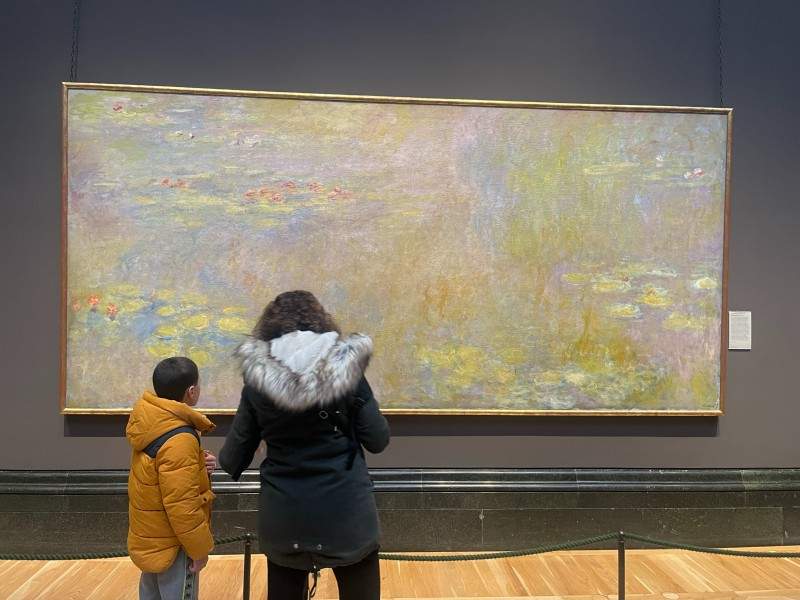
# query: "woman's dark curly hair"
293 311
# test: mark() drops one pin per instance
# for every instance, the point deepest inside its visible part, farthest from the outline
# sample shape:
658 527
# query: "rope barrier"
98 555
494 555
403 557
708 550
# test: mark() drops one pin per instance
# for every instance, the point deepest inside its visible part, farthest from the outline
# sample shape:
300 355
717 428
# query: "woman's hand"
211 461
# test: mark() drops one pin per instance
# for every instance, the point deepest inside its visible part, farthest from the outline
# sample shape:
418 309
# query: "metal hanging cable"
720 55
76 27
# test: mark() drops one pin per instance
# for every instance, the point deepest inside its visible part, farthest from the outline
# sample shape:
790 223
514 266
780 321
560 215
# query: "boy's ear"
187 395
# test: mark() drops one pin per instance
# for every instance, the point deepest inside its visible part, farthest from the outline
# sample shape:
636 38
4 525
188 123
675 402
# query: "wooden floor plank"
121 584
38 584
17 574
89 575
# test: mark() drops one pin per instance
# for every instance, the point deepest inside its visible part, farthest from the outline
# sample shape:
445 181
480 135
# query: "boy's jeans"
176 583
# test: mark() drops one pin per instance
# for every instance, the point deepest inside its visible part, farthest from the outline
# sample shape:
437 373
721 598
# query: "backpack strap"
153 447
345 420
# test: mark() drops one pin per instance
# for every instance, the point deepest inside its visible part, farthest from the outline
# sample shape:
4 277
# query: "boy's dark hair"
173 376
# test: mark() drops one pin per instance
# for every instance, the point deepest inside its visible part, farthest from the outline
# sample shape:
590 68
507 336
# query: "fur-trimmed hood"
303 369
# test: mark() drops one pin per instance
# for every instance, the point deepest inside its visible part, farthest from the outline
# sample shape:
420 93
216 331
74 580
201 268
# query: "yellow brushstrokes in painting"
131 149
92 108
621 352
85 108
274 208
166 311
391 124
163 348
547 378
503 375
654 394
464 366
608 285
234 310
190 221
624 311
237 209
599 350
165 295
576 378
678 322
636 269
167 331
655 296
125 289
196 322
705 283
234 325
610 168
190 198
663 272
199 356
450 299
132 306
513 356
193 299
576 278
703 386
533 236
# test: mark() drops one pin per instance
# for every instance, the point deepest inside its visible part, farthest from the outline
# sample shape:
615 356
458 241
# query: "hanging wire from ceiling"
76 27
720 56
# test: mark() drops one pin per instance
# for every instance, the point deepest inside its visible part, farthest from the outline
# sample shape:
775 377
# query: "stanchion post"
248 551
621 565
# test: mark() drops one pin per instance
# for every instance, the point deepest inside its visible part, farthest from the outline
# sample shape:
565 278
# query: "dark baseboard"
445 509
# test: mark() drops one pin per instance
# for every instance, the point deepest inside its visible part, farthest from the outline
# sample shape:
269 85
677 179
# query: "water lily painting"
505 257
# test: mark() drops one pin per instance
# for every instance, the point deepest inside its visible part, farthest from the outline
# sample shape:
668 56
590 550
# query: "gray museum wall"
615 51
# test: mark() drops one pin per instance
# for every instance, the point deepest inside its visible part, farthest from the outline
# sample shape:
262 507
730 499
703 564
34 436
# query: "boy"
169 492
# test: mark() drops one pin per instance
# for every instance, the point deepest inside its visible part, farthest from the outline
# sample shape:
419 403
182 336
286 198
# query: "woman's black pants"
361 581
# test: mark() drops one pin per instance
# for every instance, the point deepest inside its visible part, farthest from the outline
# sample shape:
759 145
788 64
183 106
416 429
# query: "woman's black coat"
317 507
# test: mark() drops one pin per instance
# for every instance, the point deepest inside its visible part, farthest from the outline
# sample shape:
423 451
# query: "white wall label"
740 330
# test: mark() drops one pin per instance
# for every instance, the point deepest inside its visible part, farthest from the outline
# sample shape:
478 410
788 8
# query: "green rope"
100 555
232 539
570 545
707 550
80 556
493 555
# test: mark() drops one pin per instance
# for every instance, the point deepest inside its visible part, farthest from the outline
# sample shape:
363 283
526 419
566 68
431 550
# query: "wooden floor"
584 575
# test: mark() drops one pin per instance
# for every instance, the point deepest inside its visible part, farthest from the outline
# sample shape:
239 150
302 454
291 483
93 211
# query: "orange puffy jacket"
169 496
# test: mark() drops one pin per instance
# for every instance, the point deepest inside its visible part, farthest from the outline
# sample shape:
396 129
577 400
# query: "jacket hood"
303 369
152 417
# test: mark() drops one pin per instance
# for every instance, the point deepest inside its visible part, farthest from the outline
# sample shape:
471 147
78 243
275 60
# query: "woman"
305 395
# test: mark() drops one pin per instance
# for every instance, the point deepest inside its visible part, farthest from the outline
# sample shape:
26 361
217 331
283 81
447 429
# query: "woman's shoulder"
269 410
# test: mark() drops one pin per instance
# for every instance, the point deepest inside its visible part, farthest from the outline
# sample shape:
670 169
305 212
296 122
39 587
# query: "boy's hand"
211 461
198 565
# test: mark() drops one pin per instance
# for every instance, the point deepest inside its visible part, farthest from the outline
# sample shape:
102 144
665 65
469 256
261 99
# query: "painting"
505 257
